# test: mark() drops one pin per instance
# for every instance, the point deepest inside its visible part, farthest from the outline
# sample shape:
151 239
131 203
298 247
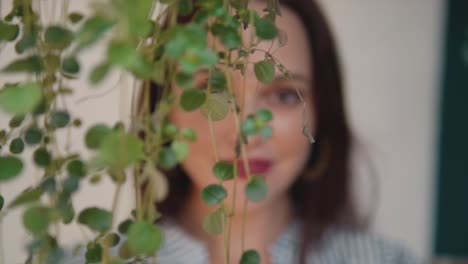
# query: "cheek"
291 147
201 158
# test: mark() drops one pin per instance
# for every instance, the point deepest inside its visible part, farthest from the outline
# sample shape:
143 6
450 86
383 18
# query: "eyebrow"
278 77
293 76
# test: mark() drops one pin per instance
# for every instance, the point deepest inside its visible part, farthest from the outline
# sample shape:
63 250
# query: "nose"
249 103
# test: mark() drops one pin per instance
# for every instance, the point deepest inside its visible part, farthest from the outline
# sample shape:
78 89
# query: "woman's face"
279 158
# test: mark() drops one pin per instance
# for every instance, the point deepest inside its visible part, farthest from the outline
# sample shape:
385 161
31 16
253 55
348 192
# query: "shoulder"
343 245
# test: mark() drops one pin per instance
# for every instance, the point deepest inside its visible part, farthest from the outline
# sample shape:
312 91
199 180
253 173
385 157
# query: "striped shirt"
338 246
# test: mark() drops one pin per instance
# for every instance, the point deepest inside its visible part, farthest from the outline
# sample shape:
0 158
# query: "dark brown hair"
326 199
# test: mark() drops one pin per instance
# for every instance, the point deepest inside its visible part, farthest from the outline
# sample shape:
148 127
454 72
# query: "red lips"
257 166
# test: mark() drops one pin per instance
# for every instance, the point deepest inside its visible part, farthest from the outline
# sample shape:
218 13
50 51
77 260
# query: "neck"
262 227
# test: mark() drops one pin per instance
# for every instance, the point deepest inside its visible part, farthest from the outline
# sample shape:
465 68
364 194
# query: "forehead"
295 55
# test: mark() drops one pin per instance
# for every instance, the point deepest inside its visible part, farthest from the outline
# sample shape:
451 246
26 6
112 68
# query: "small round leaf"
223 170
188 133
16 146
70 65
42 157
144 238
192 99
180 148
256 189
264 114
213 194
214 222
216 106
33 136
76 168
265 71
36 219
96 219
60 118
20 99
250 256
11 167
95 135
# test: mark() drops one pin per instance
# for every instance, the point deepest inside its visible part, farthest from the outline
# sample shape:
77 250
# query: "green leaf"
264 114
36 219
11 167
248 126
71 184
2 202
75 17
99 72
265 28
193 59
93 252
76 168
70 65
42 157
189 133
92 30
96 219
216 106
126 55
223 170
20 99
60 118
250 256
95 135
26 42
184 80
218 81
256 189
180 148
57 37
184 37
16 121
27 196
213 194
16 146
144 238
167 158
230 38
192 99
214 222
33 136
169 129
266 132
120 150
67 212
138 13
124 226
30 64
265 71
8 32
48 185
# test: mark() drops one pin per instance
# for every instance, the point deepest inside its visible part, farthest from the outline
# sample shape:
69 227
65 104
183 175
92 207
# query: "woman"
307 216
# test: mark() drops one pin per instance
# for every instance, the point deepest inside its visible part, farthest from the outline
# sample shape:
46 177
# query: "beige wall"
390 53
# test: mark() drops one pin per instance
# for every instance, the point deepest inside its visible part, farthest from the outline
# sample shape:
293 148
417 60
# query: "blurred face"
279 158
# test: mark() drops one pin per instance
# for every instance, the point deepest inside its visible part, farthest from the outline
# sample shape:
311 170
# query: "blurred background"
406 76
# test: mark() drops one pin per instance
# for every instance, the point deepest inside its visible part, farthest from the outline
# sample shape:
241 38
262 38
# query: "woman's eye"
285 96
